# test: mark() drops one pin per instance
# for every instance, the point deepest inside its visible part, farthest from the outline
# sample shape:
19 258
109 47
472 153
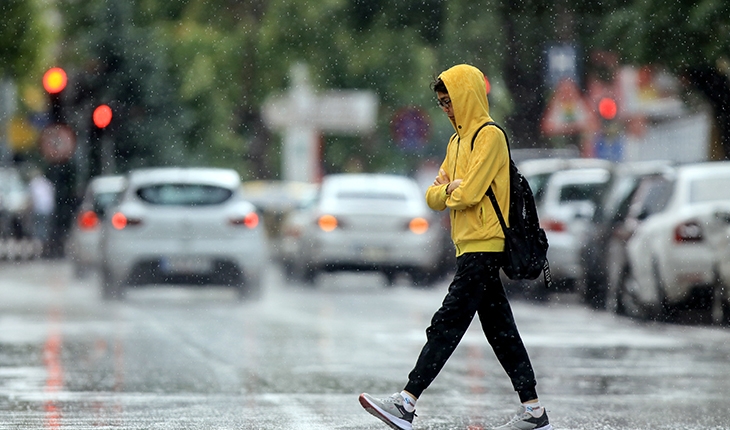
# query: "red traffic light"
55 80
102 116
607 108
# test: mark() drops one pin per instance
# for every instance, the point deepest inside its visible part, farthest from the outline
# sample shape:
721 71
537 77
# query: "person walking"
42 194
463 179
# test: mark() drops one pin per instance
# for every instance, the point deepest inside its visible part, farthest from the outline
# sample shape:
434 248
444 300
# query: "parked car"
374 222
569 201
15 204
82 246
603 249
538 171
672 261
183 226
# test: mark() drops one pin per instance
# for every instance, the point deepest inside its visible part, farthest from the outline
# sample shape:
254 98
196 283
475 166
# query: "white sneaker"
391 410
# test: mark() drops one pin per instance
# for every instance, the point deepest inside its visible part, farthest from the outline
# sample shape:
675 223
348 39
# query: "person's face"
445 102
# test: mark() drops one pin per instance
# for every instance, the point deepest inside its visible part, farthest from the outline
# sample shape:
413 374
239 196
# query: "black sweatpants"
476 288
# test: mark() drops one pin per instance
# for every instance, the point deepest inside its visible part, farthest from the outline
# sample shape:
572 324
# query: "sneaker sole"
392 421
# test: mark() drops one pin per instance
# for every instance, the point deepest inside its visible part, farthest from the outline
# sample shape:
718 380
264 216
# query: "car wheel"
308 274
726 313
111 289
594 293
421 278
614 304
622 300
720 307
288 268
390 276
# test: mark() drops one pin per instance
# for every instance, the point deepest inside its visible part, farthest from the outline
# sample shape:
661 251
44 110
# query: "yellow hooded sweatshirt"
474 224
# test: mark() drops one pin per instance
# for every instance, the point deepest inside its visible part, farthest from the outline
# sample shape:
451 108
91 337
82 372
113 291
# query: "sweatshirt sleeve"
489 155
436 194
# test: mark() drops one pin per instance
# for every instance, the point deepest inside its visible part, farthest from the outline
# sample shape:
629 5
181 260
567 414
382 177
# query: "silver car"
569 201
365 221
82 247
183 226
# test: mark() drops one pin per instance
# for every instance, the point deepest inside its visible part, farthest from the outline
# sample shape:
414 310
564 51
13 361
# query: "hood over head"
468 93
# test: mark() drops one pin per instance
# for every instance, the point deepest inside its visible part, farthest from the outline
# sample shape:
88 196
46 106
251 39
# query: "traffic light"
54 81
102 116
607 108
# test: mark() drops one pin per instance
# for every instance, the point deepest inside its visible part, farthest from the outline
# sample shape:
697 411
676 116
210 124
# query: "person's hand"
442 178
453 185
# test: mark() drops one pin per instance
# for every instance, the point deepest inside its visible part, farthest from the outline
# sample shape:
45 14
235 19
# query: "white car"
374 222
82 247
183 226
567 206
672 258
537 171
15 204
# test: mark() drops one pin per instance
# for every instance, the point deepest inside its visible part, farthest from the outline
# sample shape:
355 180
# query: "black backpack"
525 242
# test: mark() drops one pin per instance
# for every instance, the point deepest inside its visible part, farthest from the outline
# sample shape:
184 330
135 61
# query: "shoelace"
519 417
393 399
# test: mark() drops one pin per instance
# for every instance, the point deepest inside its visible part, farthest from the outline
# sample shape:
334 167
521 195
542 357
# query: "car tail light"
251 220
121 221
689 231
88 220
327 222
418 225
553 225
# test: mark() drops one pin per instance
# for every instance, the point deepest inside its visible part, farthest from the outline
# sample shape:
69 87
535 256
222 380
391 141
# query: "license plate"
374 253
185 265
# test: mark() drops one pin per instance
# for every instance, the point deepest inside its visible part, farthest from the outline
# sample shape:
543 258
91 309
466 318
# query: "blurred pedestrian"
463 179
43 197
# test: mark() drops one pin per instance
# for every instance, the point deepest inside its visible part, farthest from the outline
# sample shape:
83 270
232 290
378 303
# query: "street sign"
57 143
303 115
567 111
410 128
562 63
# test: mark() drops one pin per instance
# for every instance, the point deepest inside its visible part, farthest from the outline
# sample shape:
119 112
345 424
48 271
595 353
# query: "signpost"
303 115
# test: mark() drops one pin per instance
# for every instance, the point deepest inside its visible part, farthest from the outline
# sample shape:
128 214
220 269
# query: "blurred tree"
191 75
121 64
23 36
691 38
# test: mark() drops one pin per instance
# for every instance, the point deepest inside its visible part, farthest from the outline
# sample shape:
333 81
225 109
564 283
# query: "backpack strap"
490 192
500 129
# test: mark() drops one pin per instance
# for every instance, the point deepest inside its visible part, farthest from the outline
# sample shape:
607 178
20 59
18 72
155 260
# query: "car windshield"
103 200
653 197
709 189
581 192
184 194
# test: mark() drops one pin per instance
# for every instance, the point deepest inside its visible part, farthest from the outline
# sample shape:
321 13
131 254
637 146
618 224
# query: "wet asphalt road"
176 358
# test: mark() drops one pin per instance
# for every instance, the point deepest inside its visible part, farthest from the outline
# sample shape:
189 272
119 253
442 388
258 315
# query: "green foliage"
23 36
190 76
121 65
680 35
